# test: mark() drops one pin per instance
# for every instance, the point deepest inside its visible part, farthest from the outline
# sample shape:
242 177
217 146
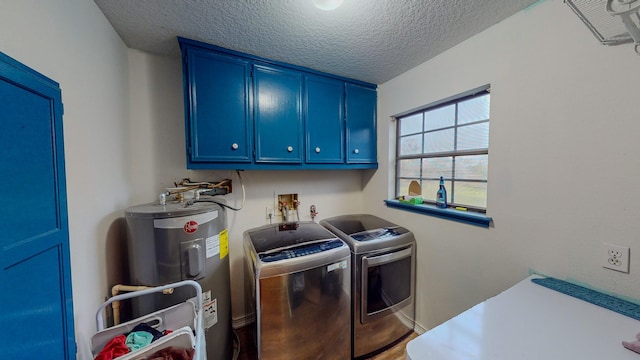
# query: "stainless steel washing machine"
383 279
298 285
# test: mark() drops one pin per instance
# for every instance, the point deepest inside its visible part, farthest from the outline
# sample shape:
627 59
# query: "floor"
248 350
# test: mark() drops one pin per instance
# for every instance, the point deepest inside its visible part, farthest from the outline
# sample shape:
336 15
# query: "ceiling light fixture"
327 4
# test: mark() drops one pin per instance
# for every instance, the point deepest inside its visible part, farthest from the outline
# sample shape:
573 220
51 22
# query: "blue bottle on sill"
441 195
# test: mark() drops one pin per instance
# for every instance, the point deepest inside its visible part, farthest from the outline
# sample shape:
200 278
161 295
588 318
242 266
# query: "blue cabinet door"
218 111
35 270
361 124
324 120
277 114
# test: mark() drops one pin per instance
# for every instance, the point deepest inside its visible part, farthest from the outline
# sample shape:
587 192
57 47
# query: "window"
450 139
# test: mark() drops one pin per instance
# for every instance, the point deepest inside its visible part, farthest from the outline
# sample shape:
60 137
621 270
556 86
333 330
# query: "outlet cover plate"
269 211
615 257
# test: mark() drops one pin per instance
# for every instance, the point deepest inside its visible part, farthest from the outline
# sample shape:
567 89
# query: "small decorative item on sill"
415 193
441 195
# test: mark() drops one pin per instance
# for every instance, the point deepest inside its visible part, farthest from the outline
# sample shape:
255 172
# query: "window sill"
466 217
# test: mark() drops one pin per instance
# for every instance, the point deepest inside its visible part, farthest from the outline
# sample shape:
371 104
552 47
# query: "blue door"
35 277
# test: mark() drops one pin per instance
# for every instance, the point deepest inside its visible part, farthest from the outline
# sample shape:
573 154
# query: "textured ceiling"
368 40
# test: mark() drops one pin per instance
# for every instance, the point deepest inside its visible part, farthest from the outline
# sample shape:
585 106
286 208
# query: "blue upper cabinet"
324 120
361 124
278 114
217 99
244 112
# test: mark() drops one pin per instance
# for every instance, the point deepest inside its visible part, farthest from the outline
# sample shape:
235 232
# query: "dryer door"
386 282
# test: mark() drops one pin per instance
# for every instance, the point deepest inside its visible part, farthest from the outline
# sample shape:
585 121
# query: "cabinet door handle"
317 150
356 151
290 148
234 146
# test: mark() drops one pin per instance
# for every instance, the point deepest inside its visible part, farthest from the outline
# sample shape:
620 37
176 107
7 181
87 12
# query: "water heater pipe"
116 289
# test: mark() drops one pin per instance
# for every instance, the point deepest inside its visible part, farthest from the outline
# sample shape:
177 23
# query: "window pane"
475 109
409 168
403 186
473 136
440 117
471 194
411 124
472 167
411 145
430 188
436 167
439 141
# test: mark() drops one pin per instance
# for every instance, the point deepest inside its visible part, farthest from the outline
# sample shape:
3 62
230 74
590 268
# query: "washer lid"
284 235
365 233
377 234
358 223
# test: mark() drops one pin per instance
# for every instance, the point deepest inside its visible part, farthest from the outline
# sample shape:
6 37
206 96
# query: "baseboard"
419 329
242 321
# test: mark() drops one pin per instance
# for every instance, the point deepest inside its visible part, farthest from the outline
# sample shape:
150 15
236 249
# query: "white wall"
563 172
71 42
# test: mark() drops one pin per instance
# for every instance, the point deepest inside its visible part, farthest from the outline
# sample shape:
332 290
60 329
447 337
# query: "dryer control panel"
302 250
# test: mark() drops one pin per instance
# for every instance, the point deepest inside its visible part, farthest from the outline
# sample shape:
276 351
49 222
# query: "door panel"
23 138
361 124
37 302
324 120
278 115
35 270
219 116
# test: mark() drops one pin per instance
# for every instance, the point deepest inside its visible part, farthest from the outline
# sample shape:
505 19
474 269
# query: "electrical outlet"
269 212
615 257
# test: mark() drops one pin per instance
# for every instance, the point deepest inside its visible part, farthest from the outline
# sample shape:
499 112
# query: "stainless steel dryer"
298 285
383 279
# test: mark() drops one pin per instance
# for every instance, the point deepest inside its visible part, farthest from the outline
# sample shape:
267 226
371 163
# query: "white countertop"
529 321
